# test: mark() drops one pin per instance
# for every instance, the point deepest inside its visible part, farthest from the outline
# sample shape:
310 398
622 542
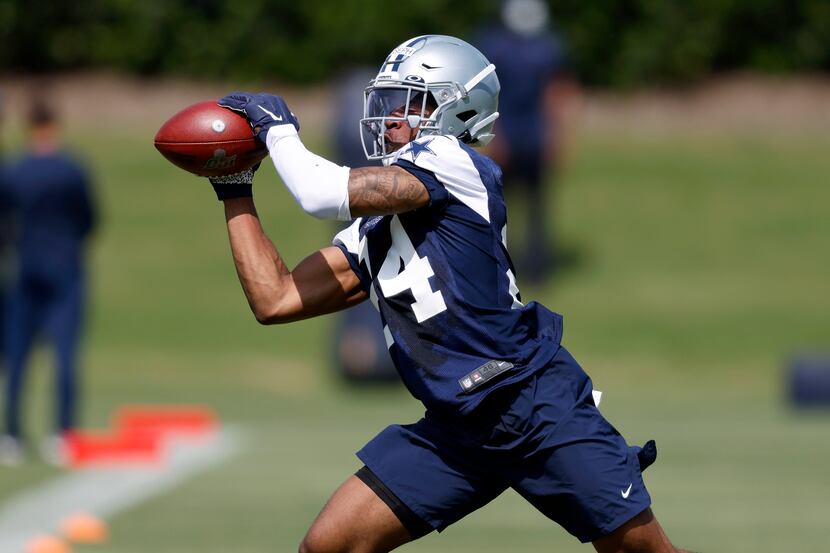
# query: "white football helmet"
436 72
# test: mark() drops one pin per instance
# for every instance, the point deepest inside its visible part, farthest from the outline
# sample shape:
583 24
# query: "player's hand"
263 111
237 185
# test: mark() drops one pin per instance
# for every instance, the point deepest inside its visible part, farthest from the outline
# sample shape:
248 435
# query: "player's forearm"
264 276
318 185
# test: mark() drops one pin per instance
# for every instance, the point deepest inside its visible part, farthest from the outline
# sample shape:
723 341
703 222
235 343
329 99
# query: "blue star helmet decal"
417 148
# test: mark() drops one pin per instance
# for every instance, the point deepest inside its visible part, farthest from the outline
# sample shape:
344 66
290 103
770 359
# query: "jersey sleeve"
348 240
447 171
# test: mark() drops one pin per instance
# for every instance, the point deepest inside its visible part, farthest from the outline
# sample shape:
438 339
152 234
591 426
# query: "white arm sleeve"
319 186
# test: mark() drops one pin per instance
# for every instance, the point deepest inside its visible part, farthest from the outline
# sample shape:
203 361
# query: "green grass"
702 266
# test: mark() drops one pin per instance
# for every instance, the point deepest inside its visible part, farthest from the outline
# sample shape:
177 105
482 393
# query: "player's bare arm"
384 190
322 283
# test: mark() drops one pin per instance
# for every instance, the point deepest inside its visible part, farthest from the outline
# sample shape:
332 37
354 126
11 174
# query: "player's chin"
394 146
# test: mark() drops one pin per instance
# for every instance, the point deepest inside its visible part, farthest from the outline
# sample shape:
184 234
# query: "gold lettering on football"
220 160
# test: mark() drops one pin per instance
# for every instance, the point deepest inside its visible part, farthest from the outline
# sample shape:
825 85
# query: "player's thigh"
590 487
581 472
355 520
430 473
642 534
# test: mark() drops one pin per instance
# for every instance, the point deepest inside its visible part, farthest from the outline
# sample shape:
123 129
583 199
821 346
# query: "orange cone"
47 544
84 528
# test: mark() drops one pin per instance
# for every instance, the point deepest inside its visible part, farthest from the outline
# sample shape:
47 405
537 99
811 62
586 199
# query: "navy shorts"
543 437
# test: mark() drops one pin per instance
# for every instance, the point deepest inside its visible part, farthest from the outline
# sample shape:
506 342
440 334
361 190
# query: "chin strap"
470 137
484 122
484 139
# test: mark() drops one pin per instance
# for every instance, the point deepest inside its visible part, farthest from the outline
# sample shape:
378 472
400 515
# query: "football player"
507 406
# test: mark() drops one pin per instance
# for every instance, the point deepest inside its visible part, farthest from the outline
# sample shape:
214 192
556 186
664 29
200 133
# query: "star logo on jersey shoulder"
417 148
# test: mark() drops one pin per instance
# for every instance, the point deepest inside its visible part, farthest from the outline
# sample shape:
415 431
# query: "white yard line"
106 491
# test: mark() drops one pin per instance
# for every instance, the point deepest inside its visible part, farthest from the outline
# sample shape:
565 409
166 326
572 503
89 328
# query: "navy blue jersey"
54 206
444 284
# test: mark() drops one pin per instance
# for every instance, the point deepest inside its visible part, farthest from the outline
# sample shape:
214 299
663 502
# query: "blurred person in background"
6 226
348 91
54 205
536 89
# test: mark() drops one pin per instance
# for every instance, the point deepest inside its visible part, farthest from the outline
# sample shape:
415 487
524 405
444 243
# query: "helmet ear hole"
465 116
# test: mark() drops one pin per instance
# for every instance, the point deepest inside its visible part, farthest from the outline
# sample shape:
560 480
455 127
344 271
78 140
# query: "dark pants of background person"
2 327
52 307
525 171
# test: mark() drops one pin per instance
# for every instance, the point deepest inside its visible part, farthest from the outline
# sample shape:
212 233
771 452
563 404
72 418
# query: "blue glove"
262 110
237 185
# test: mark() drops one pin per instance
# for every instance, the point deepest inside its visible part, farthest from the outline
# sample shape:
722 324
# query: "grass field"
701 266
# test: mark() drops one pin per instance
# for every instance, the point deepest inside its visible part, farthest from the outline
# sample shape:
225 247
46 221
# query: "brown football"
209 141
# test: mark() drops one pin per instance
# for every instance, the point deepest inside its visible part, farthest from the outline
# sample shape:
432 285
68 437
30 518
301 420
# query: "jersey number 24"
414 276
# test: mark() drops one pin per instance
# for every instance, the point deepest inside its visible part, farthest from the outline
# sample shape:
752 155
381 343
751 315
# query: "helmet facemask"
411 105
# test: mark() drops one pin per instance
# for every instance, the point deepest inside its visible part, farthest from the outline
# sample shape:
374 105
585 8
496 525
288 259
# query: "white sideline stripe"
106 491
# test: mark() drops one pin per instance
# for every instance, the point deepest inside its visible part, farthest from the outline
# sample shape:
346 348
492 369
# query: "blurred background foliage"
616 43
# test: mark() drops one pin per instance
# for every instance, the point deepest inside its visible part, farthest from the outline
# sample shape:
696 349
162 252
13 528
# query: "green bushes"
632 42
612 42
